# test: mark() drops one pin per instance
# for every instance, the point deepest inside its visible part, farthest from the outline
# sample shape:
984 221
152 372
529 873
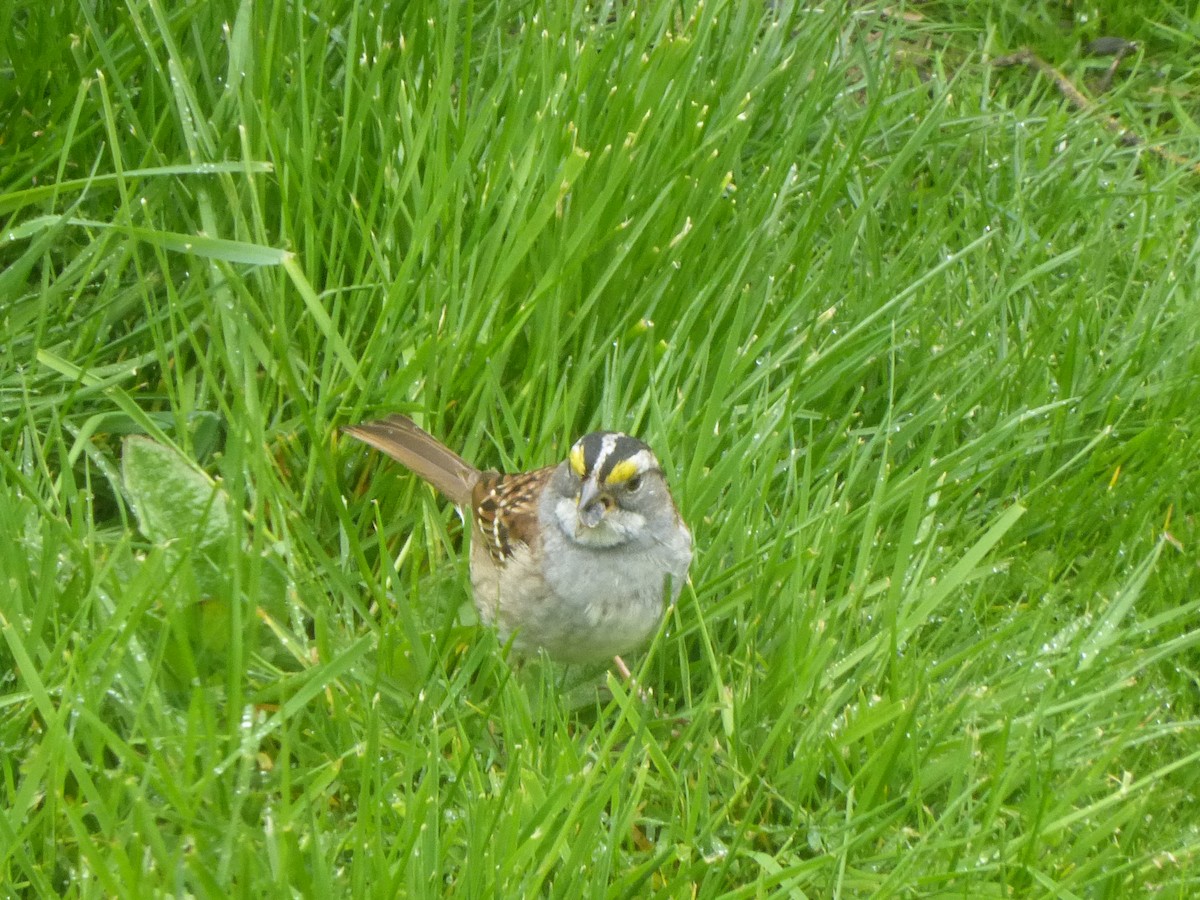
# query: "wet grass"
915 340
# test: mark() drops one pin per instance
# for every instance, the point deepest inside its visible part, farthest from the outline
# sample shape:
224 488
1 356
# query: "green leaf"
172 499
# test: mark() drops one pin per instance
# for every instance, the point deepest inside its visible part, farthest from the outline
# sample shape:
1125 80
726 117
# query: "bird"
578 560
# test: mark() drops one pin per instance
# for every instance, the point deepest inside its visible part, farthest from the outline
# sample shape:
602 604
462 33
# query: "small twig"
1076 98
1116 47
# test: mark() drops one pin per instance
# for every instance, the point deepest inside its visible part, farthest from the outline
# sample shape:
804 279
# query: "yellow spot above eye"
622 471
576 460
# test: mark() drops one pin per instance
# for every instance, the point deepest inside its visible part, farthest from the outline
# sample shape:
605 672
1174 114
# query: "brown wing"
506 509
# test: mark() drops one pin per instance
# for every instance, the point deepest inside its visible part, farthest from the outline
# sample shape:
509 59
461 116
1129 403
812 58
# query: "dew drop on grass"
714 851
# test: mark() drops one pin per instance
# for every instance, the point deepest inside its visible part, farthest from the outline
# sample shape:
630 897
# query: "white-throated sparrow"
575 559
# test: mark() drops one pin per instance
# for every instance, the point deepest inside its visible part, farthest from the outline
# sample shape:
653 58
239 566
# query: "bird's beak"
591 505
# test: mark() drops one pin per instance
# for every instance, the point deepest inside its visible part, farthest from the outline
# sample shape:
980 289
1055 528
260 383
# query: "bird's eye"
632 484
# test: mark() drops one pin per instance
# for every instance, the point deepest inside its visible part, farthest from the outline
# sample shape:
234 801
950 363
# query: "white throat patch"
615 528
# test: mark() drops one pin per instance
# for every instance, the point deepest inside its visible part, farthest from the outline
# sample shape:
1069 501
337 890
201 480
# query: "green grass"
917 343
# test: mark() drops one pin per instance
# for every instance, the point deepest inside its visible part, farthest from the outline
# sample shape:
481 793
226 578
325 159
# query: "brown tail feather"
400 438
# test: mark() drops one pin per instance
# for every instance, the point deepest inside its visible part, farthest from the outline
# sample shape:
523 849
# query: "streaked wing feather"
506 509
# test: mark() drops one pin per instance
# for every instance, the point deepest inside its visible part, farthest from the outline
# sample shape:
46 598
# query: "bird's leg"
623 671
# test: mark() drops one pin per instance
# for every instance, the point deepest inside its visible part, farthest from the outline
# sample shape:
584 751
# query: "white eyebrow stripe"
643 461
